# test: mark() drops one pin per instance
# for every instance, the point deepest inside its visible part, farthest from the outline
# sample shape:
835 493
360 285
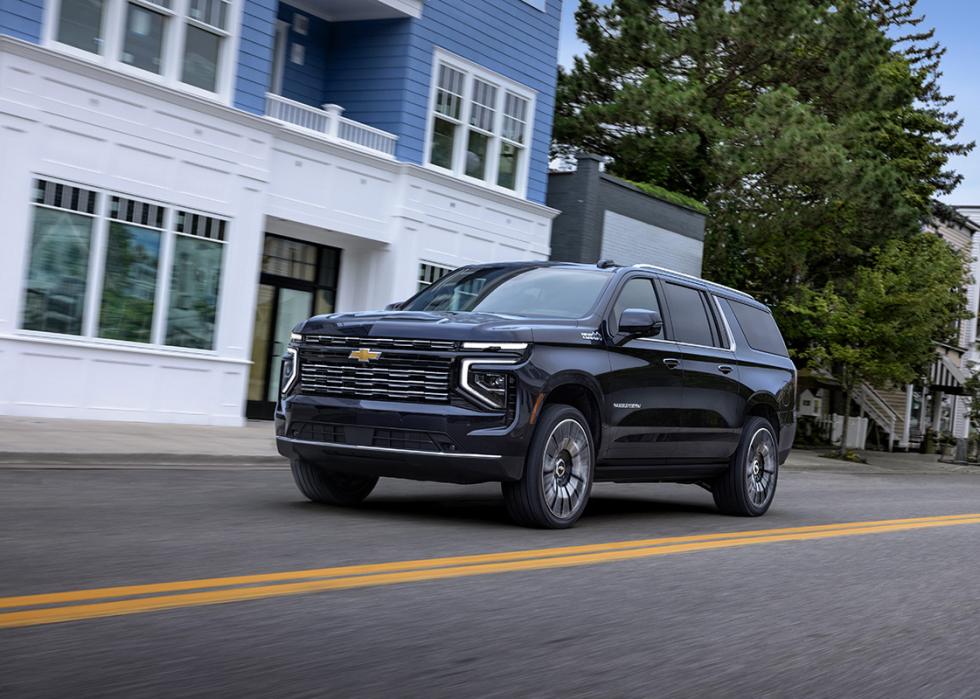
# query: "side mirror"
397 306
640 322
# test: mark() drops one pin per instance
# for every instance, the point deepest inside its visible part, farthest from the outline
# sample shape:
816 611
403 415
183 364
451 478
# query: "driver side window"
638 292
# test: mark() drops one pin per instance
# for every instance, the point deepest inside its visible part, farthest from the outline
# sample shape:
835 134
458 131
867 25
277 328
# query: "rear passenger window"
759 328
638 292
688 315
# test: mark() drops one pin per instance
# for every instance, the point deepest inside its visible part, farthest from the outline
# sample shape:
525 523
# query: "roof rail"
691 276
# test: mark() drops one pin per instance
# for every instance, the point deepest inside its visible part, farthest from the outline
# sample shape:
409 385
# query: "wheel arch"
581 391
766 406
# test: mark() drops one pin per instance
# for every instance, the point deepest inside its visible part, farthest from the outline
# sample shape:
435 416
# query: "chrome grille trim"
381 343
395 375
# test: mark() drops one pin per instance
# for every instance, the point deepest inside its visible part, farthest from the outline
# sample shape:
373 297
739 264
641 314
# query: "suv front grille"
395 375
381 343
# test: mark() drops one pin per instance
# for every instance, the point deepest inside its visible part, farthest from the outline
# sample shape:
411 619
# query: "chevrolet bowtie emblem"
364 355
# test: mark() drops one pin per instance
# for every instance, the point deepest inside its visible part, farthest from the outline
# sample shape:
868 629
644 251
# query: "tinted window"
545 292
759 328
688 315
637 293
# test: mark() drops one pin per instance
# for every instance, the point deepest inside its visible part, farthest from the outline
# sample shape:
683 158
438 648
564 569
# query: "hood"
429 325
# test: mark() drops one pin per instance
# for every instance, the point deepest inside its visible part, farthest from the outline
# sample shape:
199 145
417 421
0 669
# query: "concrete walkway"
93 443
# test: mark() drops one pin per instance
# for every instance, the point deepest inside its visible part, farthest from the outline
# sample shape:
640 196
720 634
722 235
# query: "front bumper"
442 442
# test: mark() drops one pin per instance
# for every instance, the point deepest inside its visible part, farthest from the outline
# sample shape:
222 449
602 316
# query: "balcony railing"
329 123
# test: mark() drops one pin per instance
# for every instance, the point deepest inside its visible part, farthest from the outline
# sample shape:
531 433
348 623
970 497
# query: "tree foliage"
814 131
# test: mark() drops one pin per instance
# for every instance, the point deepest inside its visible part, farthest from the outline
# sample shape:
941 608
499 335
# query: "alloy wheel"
567 462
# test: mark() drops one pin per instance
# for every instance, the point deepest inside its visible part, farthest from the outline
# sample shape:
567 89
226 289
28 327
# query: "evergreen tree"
814 131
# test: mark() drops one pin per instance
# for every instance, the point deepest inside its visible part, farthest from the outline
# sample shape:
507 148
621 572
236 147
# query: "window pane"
510 156
201 58
443 136
57 275
213 12
130 283
482 111
759 328
80 24
638 293
194 285
143 45
515 117
688 315
449 95
476 155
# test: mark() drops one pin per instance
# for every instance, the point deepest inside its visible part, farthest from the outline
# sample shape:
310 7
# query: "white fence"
328 123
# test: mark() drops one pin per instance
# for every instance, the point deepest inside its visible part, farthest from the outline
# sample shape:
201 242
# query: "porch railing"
879 411
329 123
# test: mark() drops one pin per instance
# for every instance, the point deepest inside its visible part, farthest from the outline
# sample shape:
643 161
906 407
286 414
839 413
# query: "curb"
137 460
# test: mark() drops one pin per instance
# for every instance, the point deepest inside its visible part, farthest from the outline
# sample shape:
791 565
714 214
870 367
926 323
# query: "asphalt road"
873 613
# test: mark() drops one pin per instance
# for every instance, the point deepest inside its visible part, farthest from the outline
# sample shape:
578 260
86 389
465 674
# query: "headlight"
295 337
290 368
489 387
502 346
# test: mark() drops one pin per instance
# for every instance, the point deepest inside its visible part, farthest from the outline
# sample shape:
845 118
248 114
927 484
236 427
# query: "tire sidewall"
550 417
742 464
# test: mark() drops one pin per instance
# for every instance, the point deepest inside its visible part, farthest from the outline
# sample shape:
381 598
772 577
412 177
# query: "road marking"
242 588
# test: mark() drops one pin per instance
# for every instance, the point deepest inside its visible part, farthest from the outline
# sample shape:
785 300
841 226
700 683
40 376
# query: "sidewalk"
94 443
33 441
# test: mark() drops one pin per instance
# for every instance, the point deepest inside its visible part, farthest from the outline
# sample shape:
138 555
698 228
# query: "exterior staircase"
887 408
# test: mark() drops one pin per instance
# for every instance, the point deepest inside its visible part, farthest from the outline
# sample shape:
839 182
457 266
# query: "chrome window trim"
724 320
360 447
691 276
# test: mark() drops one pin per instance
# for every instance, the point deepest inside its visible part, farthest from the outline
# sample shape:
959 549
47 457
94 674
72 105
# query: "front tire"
329 487
749 485
558 472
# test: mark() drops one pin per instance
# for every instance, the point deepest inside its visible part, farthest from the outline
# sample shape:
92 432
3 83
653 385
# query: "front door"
645 386
298 280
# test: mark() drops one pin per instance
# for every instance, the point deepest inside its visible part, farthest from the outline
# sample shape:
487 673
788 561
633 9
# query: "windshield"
544 292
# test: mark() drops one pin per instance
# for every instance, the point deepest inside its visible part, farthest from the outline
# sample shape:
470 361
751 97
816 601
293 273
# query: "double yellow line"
49 608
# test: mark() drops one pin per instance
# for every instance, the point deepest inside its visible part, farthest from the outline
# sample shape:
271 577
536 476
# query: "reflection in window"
130 283
143 43
80 24
201 50
58 271
194 286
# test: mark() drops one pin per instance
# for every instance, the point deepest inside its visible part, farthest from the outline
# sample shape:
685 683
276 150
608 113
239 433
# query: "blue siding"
380 71
255 55
509 37
22 19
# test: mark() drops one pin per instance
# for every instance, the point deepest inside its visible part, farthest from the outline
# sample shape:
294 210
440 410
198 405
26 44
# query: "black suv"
545 377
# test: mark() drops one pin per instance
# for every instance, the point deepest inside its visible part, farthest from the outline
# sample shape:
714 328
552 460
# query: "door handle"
725 369
671 363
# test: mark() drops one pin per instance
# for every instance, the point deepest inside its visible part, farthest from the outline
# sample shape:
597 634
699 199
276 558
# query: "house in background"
900 416
607 218
184 180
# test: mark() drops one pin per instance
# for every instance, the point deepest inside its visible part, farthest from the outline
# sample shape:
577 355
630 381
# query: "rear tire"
748 486
558 472
329 487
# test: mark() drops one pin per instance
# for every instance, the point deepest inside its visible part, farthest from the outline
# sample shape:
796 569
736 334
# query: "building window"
479 124
147 35
57 274
131 265
155 280
429 273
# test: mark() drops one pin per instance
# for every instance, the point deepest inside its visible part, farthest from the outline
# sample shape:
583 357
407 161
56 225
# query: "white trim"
503 85
278 67
113 29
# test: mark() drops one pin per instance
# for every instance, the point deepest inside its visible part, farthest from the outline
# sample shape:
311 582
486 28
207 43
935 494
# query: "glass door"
298 280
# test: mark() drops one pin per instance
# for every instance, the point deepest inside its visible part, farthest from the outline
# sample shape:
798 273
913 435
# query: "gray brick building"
605 217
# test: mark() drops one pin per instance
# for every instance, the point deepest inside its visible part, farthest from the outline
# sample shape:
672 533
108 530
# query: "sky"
956 23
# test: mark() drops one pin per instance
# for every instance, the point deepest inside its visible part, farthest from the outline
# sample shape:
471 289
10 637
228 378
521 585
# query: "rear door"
710 419
645 385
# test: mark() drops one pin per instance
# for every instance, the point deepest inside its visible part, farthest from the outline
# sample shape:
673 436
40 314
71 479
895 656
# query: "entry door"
278 309
298 280
645 386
